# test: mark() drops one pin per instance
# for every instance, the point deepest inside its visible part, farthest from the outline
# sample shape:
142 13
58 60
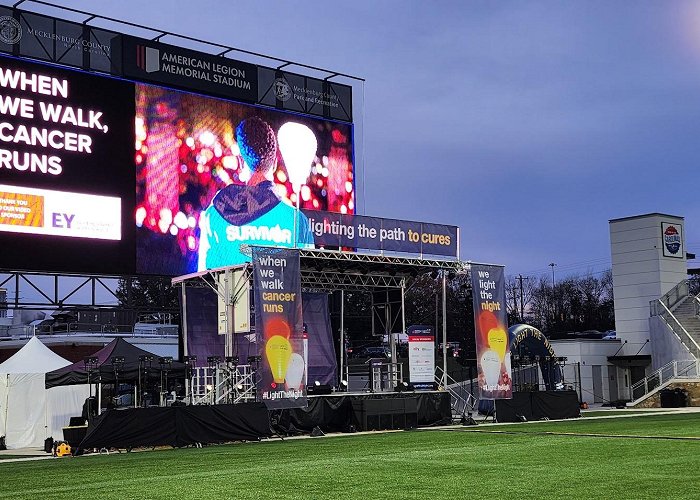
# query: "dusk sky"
528 124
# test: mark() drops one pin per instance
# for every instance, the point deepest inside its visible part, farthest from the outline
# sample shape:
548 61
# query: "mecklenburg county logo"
282 89
10 30
672 239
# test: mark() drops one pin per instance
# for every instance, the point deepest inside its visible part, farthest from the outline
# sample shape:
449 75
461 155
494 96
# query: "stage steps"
462 400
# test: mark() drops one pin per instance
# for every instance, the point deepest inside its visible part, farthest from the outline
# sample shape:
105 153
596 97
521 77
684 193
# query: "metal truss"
42 290
335 255
218 49
313 280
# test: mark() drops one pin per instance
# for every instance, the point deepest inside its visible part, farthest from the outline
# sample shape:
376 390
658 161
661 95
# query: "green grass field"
504 461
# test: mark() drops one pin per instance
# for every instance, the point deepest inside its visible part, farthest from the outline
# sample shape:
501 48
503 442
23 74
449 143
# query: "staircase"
462 400
680 310
686 312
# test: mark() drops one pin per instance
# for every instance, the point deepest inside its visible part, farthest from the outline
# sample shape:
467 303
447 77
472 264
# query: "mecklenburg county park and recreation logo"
282 89
672 239
10 30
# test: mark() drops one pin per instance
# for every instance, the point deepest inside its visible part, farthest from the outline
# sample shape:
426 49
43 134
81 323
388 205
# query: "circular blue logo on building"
672 239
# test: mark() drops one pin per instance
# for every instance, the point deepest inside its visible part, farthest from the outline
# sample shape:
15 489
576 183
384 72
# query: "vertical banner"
421 356
491 329
279 327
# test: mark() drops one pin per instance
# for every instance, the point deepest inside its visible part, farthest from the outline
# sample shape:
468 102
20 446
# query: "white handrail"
688 336
663 376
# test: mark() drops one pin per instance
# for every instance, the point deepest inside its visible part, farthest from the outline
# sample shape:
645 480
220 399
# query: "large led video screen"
113 177
214 175
66 170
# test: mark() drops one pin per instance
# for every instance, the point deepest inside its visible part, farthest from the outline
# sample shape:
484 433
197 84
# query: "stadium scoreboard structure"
131 153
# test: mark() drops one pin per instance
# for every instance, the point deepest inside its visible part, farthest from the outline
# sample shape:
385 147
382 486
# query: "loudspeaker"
318 390
76 422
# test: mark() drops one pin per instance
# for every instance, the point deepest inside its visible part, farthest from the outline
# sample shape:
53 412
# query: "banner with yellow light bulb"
491 330
281 376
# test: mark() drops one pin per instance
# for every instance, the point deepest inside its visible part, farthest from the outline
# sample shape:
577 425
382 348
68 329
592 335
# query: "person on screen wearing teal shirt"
250 214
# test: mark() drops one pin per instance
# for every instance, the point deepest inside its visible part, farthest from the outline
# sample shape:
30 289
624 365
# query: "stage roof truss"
328 270
327 281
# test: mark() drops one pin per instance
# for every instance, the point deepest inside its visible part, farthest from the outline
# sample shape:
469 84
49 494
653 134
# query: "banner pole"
403 312
342 335
444 328
183 296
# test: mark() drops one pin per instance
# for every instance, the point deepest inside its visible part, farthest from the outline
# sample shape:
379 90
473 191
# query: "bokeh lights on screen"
185 152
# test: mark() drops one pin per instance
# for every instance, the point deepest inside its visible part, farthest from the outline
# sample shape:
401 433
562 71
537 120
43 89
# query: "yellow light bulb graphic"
498 340
278 350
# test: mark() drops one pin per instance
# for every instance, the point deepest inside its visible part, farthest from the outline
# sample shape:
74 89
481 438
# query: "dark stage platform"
177 426
345 412
538 405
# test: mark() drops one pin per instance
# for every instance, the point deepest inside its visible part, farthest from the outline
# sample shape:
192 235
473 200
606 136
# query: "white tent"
30 413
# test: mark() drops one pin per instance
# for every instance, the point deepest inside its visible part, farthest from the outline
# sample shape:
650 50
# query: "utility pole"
552 264
554 308
522 308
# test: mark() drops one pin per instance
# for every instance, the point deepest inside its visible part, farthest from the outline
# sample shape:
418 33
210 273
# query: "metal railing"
678 329
689 369
461 399
675 295
22 332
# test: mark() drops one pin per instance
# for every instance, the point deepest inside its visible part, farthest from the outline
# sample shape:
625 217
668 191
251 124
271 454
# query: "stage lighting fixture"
91 360
468 419
404 386
165 360
319 388
117 360
190 360
209 387
239 387
254 359
232 360
213 361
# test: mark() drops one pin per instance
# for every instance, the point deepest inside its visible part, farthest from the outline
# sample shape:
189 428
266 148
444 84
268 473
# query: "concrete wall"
665 345
642 273
693 388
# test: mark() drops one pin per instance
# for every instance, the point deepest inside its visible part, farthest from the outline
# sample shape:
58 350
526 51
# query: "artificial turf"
418 464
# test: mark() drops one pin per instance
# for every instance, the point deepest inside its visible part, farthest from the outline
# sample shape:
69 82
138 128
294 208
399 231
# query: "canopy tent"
29 413
132 369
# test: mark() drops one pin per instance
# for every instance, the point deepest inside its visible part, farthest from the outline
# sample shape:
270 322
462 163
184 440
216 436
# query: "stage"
538 405
179 426
345 412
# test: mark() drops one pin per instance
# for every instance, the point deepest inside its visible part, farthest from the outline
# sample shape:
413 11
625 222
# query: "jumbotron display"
213 175
109 176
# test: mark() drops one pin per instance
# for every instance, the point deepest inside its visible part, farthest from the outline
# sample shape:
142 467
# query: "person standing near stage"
250 214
